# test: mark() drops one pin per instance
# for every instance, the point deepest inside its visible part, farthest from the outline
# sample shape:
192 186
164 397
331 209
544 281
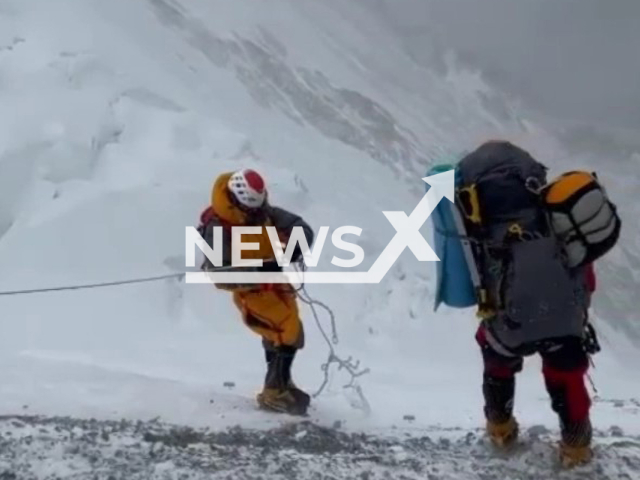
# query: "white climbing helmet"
248 188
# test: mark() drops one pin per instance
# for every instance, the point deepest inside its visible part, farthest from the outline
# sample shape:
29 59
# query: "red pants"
565 364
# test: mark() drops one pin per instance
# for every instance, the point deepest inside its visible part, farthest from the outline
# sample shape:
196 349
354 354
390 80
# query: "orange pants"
272 314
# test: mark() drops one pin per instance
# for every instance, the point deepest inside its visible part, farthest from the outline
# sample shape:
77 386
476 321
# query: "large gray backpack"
528 293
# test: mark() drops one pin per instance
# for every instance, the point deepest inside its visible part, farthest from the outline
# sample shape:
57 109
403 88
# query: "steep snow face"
119 115
574 60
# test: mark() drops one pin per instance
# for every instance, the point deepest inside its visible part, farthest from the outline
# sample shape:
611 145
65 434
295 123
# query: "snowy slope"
118 115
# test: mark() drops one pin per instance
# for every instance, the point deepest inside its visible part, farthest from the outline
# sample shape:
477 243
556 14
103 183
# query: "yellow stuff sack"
582 216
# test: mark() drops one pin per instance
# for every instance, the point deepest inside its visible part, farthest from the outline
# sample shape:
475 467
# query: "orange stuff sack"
582 216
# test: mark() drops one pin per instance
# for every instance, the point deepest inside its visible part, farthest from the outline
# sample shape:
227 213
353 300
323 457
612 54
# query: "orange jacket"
223 213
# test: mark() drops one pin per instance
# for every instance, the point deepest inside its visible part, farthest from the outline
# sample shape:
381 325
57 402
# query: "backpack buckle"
469 203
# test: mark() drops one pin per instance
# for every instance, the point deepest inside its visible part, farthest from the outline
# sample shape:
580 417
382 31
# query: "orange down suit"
270 310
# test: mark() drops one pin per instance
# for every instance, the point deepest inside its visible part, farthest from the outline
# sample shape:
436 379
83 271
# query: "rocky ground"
68 448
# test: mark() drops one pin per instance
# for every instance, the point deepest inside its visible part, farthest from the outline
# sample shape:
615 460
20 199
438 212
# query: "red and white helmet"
248 188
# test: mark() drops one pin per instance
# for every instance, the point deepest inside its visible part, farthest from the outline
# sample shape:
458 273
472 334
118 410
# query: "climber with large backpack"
521 250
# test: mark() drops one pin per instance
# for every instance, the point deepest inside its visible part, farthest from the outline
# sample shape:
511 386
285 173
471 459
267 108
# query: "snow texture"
118 115
51 448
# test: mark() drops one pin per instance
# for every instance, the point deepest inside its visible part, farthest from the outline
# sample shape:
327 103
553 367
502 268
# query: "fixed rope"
87 286
349 365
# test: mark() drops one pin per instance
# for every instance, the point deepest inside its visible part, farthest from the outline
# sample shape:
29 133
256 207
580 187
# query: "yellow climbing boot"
504 434
281 401
571 456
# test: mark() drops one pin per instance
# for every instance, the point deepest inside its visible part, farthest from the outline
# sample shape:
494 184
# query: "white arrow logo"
407 235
